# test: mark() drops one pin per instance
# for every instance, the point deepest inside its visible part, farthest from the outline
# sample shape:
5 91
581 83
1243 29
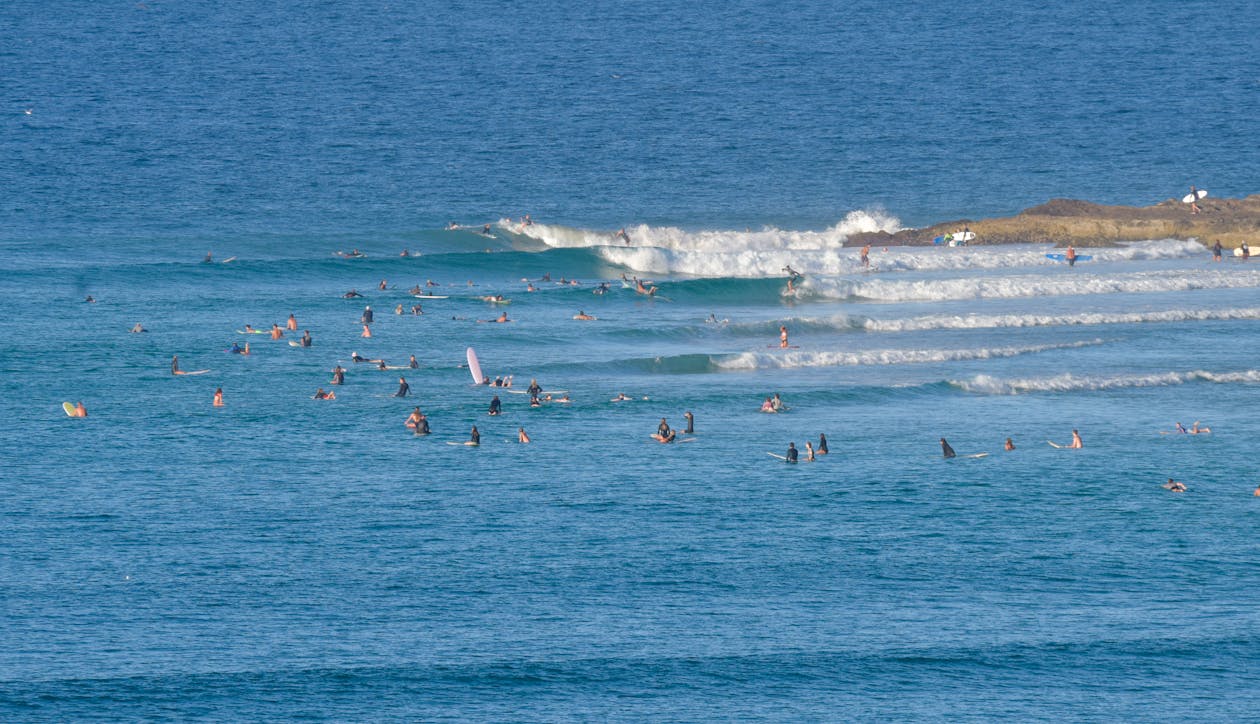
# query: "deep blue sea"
282 557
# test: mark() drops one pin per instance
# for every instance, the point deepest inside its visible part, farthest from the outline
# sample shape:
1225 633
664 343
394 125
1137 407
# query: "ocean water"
287 558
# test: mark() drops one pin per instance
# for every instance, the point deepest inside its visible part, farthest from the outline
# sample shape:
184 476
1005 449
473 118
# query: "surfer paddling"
582 315
1174 486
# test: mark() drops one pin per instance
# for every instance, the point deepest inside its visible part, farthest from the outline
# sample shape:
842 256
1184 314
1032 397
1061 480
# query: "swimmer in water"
218 397
791 453
822 444
403 388
521 436
496 407
946 450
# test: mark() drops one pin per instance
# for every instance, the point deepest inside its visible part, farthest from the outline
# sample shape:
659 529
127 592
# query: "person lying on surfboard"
1174 486
321 395
582 315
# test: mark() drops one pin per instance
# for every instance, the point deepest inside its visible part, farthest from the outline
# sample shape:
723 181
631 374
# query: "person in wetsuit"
306 338
946 450
822 445
691 423
475 437
339 375
496 407
403 387
791 452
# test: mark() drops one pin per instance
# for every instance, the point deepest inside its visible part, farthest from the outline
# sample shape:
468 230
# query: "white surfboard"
1190 198
429 296
474 367
776 455
1238 252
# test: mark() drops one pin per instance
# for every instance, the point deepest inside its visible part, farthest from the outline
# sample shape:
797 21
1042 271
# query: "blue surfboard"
1063 257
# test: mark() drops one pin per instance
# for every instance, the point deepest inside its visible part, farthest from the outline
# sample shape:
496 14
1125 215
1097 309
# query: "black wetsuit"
422 426
476 437
367 316
339 375
495 406
403 389
534 389
822 444
791 454
691 421
662 429
946 449
306 340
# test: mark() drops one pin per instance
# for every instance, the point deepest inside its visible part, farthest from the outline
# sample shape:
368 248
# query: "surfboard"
70 409
193 372
1055 445
474 367
540 394
1063 257
776 455
1189 198
1238 252
228 260
977 455
429 296
790 346
964 235
470 443
252 331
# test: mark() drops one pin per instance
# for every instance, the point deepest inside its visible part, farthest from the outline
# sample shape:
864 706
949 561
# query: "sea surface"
285 558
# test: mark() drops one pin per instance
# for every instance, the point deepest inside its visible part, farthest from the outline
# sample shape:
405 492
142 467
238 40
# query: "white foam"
802 358
990 321
1067 382
1024 285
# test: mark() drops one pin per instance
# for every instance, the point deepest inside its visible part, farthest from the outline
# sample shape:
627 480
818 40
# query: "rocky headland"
1081 223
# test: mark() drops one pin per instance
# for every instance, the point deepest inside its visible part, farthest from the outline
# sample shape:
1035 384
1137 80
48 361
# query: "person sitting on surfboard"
791 453
946 450
79 409
521 436
422 425
339 375
209 258
306 338
291 323
1076 441
776 402
809 452
822 444
218 397
691 423
175 365
475 437
1008 445
413 418
496 406
768 405
138 329
403 387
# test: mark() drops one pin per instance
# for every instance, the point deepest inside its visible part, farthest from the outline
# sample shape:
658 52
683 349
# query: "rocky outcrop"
1081 223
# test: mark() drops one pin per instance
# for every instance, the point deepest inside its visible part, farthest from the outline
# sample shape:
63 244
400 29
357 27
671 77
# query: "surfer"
381 365
416 310
663 432
382 286
403 387
496 407
351 294
783 336
218 397
414 418
422 424
527 221
366 317
583 316
792 273
1194 200
791 452
305 341
485 230
641 289
235 348
1246 251
1196 430
245 349
1179 428
356 357
534 388
138 328
339 375
534 401
291 324
776 402
866 258
624 236
521 435
1076 441
946 450
822 444
691 423
90 299
175 366
1008 445
321 395
475 437
415 290
367 332
79 409
768 406
405 253
1175 486
1216 250
276 332
209 258
1070 255
398 309
412 363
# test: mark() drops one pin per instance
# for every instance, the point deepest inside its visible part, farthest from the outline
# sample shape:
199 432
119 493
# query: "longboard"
430 296
540 394
470 443
192 372
70 409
